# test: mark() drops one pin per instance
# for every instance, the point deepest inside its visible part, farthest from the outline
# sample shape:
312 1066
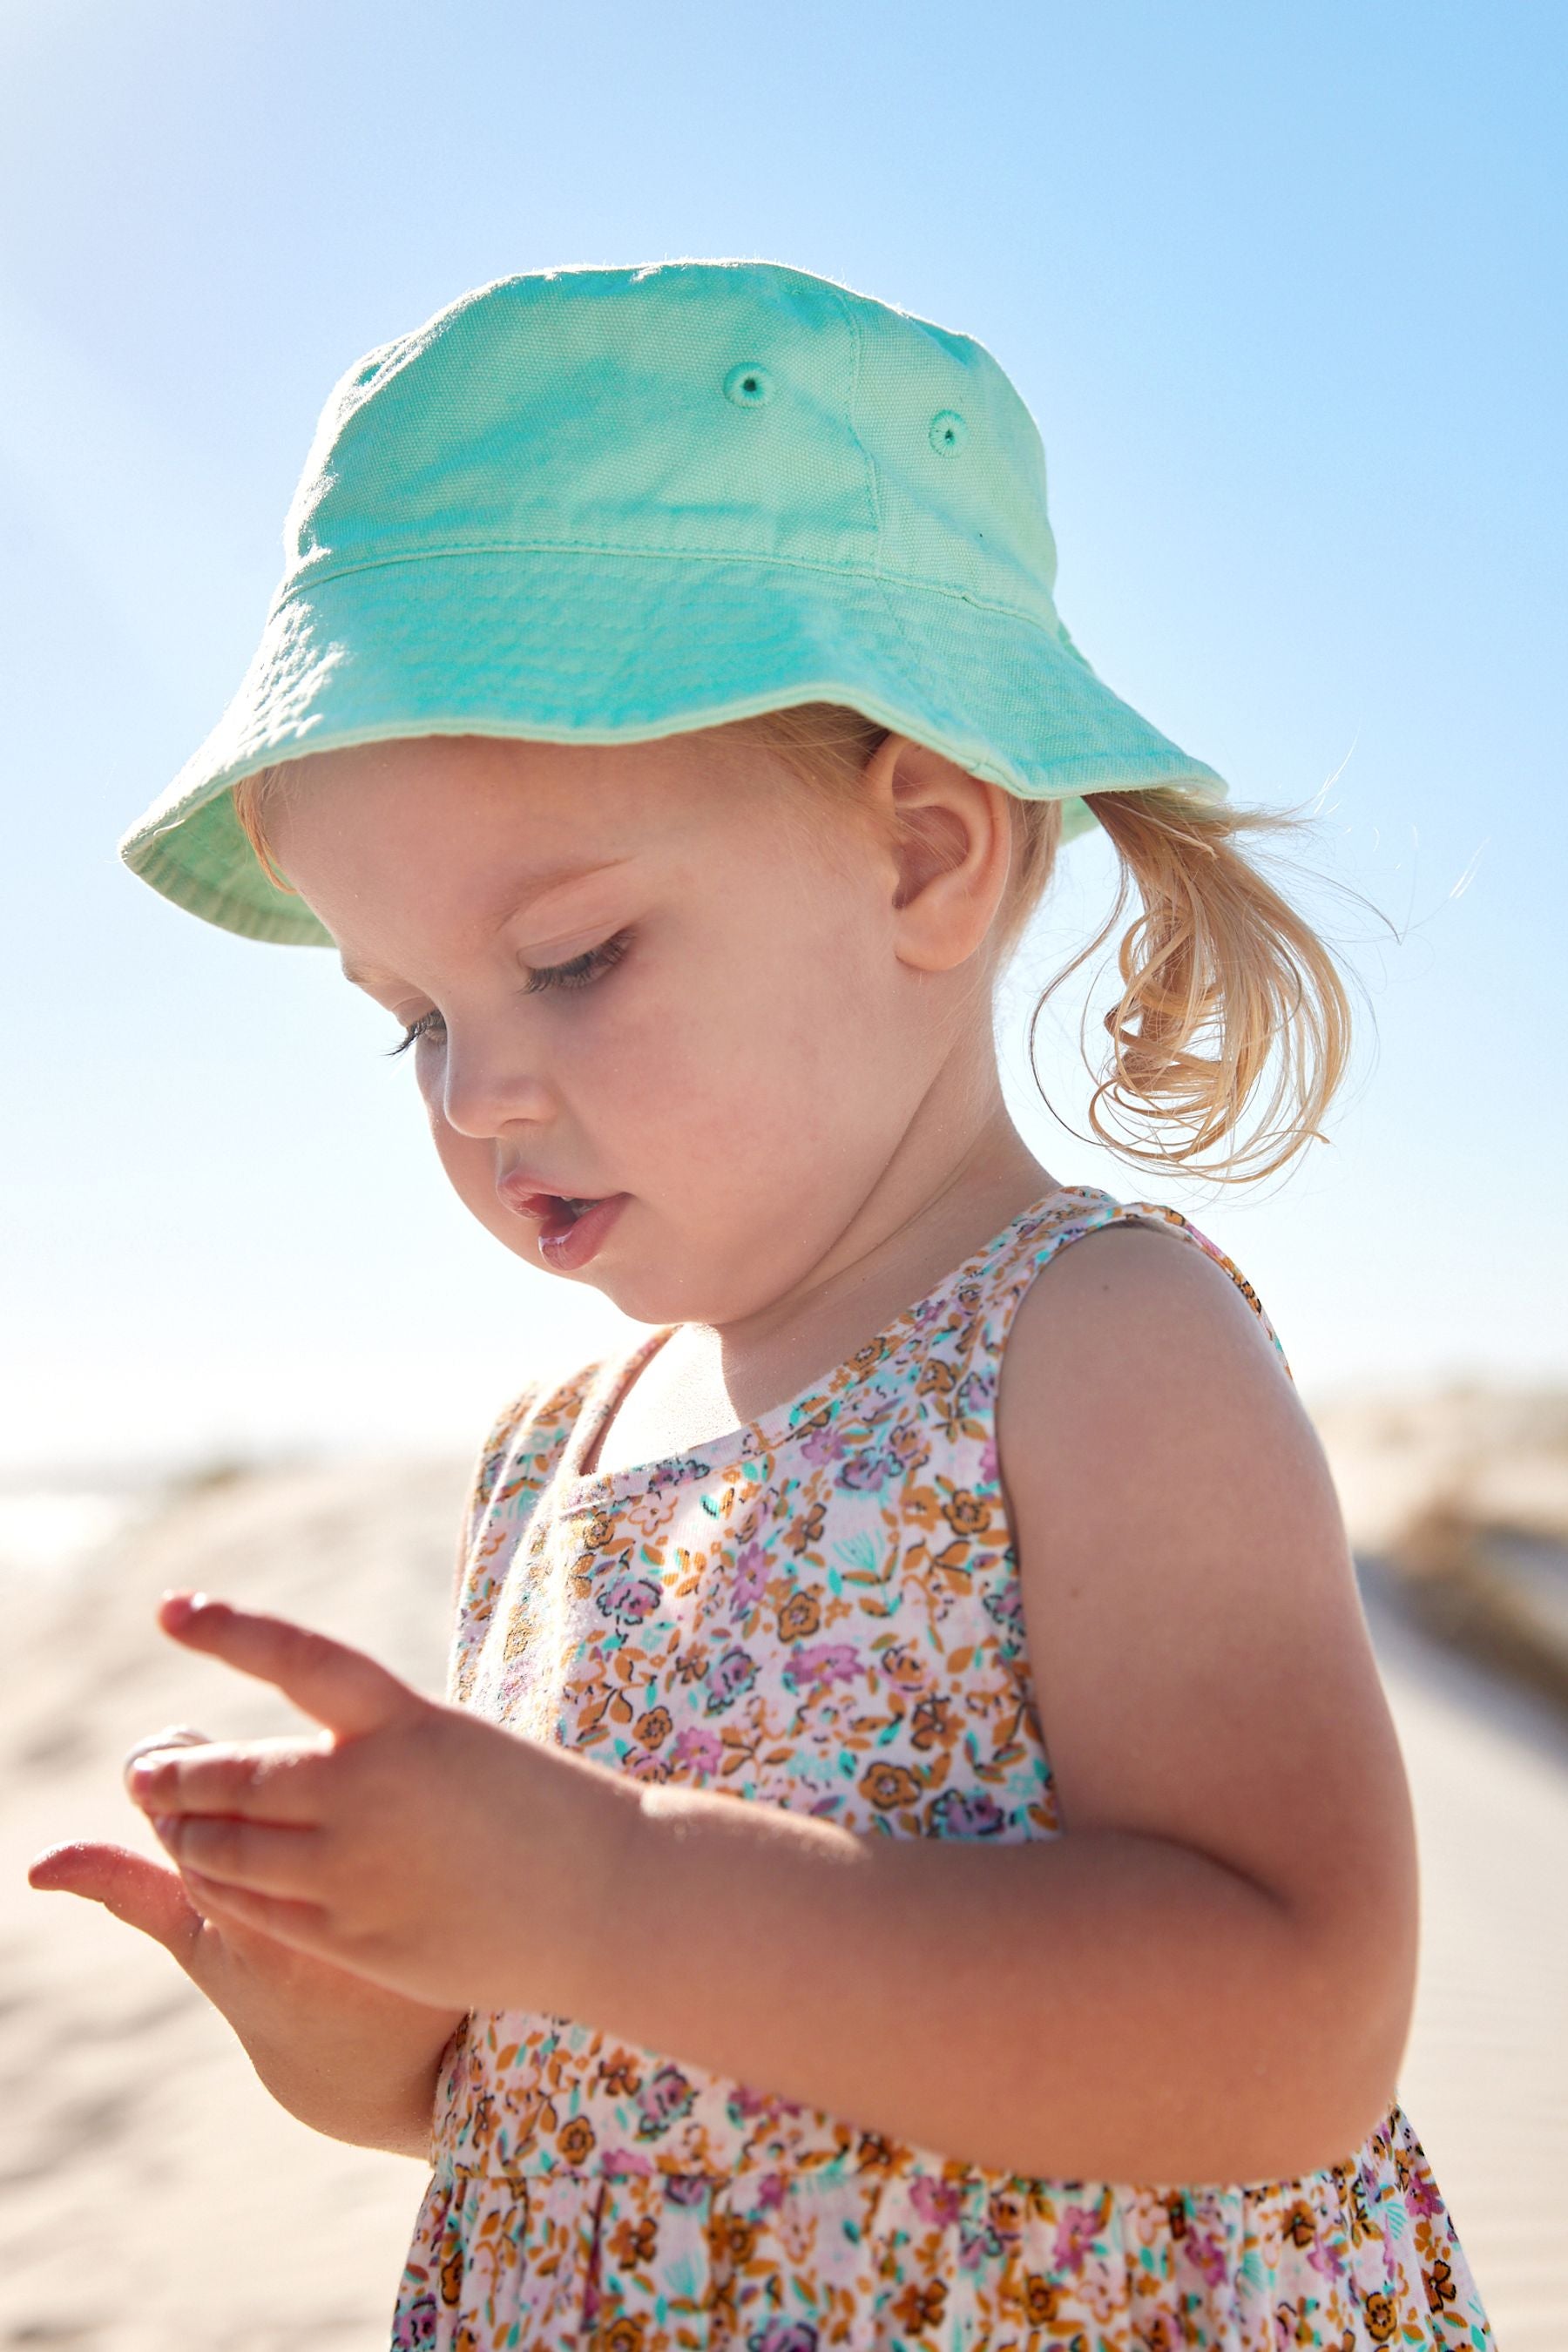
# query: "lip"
523 1192
565 1247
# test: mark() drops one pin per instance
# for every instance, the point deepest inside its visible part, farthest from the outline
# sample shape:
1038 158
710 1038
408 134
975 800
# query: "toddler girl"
915 1852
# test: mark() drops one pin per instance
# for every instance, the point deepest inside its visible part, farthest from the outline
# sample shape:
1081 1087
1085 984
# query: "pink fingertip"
179 1608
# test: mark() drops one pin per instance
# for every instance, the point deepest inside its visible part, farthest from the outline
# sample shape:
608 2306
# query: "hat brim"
599 646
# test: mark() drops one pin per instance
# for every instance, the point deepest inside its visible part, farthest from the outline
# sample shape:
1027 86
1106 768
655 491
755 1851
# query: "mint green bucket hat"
605 505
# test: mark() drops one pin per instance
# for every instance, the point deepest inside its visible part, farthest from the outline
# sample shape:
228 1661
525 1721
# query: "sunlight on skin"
789 1068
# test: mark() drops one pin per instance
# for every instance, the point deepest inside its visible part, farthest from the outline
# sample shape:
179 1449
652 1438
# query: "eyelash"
578 971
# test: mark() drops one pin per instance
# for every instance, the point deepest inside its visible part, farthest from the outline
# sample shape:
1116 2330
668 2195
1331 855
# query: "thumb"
138 1891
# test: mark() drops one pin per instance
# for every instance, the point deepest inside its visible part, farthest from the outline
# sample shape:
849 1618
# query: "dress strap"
1084 1208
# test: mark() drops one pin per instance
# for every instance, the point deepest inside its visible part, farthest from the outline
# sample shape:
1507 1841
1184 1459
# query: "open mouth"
558 1214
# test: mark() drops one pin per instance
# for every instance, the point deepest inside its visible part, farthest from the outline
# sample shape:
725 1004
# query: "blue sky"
1284 291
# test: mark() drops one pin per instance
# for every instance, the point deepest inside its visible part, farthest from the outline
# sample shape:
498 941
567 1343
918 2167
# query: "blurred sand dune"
155 2199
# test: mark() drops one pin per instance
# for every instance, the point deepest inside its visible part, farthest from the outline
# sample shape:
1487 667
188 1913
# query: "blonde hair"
1220 973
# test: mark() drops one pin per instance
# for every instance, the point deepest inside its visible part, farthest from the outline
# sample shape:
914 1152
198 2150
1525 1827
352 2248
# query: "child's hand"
345 2056
415 1845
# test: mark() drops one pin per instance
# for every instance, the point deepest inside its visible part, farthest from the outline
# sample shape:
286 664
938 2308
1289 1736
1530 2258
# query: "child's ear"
950 841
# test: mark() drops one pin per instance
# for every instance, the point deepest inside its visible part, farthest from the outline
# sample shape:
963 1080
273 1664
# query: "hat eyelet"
947 433
748 385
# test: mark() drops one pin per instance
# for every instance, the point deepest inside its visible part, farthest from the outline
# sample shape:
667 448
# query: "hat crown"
734 409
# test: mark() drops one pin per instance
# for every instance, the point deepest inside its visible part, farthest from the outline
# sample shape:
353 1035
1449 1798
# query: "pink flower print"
661 2099
736 1672
629 1599
828 1663
620 2160
1006 1609
770 2191
1074 2238
966 1813
938 2202
784 2335
1421 2197
822 1444
685 2188
415 2327
1328 2257
863 1472
1206 2251
702 1749
749 1581
990 1464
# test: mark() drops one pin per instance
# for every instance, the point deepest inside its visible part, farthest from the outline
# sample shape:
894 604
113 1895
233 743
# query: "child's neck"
705 1382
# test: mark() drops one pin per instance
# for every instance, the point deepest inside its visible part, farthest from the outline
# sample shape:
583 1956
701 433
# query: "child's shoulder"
1143 1271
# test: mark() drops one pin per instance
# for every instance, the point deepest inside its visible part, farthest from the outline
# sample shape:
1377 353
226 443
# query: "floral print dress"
822 1610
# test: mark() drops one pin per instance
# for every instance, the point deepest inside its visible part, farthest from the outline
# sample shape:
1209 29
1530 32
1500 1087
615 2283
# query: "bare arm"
1209 1976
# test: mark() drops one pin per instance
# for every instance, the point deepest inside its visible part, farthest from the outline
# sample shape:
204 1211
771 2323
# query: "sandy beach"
156 2200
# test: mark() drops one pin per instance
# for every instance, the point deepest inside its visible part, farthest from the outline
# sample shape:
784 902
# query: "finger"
301 1926
274 1780
255 1855
173 1735
138 1891
341 1686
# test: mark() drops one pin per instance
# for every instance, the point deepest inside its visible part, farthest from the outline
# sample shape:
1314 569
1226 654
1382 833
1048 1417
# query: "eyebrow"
552 877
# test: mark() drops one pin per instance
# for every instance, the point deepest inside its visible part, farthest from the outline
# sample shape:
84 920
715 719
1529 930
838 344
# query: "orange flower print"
920 2307
518 1631
888 1786
967 1514
1299 2225
452 2275
621 2078
875 2153
903 1667
733 2239
1041 2300
806 1533
623 2335
575 2139
931 1724
1157 2333
800 1617
1382 2317
653 1727
1440 2288
635 2243
937 1377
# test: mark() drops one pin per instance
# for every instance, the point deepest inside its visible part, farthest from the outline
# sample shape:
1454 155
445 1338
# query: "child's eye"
581 968
415 1030
575 973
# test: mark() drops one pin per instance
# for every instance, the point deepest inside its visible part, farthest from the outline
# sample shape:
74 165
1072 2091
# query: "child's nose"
486 1085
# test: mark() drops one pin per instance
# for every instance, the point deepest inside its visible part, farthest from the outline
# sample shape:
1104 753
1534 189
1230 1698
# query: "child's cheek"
469 1168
